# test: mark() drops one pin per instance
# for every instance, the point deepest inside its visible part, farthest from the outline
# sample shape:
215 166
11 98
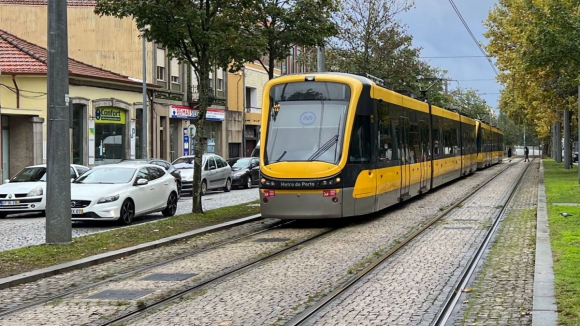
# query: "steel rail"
324 302
49 298
124 318
451 302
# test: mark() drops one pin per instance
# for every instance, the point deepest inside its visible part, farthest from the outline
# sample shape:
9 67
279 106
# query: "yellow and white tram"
335 145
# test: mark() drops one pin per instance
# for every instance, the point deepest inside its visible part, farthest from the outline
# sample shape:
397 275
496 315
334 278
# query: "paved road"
26 230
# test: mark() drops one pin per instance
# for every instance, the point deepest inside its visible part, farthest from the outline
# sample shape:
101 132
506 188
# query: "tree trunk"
203 83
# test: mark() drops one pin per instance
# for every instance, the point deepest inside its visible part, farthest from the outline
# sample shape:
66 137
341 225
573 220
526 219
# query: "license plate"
10 202
77 211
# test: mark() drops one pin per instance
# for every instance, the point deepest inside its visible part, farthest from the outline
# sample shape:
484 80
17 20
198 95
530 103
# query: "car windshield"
108 175
31 174
186 162
134 162
241 163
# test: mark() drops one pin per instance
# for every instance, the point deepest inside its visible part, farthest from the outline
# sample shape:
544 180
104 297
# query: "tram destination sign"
299 184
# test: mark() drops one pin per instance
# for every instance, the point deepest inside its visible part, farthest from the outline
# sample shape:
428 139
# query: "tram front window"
306 131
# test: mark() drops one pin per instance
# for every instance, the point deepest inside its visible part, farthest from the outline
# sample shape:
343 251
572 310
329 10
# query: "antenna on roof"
375 79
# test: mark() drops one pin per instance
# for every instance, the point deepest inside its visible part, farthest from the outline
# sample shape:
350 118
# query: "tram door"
405 148
424 157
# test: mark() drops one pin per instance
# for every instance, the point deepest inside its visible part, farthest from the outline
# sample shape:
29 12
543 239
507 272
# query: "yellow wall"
235 101
38 106
89 37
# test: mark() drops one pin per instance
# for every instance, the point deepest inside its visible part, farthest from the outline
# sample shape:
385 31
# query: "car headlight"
239 174
35 192
108 199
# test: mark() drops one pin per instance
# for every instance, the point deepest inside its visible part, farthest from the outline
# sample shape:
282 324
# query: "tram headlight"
267 182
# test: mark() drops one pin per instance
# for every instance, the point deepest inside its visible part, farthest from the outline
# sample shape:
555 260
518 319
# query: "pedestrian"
509 154
526 153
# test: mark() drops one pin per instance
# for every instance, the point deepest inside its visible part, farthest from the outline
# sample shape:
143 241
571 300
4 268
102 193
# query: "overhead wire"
472 36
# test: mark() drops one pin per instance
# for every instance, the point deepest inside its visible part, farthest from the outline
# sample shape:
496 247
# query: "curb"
545 310
38 274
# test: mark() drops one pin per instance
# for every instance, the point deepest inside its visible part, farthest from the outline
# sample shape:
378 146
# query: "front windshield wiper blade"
331 142
279 158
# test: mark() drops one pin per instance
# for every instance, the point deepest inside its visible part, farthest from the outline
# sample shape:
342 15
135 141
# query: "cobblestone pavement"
269 294
503 288
410 288
25 230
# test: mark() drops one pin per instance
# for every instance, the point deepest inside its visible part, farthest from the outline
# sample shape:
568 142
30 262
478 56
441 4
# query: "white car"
120 192
215 174
26 191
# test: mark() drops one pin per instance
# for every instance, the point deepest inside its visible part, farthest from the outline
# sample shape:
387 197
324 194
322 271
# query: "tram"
335 145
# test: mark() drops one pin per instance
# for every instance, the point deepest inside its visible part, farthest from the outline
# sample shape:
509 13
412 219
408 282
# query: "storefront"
111 139
181 117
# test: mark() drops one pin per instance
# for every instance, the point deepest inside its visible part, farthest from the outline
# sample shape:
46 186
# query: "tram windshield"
306 122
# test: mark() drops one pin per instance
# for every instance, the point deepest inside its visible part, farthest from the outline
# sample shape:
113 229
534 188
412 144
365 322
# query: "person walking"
509 153
526 154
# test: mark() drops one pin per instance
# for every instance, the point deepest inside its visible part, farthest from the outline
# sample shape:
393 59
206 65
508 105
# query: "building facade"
112 44
104 108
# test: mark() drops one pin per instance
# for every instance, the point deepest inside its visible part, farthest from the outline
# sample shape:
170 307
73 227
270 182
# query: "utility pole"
144 148
58 212
320 59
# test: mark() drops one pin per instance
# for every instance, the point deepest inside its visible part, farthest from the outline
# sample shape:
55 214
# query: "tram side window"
360 141
436 136
385 143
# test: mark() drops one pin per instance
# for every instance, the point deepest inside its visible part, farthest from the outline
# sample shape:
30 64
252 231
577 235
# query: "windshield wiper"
279 158
331 142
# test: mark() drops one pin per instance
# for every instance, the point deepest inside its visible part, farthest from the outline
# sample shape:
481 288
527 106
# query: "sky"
438 30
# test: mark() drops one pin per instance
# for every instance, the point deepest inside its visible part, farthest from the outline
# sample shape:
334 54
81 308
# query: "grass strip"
562 188
27 259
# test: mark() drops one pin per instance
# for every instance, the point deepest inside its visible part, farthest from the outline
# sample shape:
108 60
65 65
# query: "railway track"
47 298
308 316
142 308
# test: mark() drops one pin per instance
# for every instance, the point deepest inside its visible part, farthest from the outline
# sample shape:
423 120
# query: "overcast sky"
438 30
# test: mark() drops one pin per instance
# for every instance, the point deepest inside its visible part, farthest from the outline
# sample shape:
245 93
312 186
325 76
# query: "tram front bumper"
296 204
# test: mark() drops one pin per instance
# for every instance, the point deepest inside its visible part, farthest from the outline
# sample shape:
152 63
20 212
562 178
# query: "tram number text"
298 184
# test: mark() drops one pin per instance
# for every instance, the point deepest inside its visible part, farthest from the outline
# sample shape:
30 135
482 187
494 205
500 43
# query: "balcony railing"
252 109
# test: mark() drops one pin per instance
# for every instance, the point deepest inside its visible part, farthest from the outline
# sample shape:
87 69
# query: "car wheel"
203 188
127 212
228 186
248 184
171 205
3 215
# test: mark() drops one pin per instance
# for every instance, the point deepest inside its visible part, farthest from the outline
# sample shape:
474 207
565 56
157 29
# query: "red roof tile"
72 3
18 56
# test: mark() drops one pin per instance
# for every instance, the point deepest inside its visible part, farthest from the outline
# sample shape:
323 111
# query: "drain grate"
458 227
271 240
168 277
120 294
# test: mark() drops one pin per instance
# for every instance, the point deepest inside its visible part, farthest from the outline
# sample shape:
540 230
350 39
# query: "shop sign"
110 115
186 112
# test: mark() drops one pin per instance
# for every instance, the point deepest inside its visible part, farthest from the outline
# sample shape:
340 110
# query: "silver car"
215 173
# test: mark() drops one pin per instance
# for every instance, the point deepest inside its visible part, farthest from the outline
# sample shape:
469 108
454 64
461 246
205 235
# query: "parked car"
121 192
215 173
162 163
26 191
575 157
245 171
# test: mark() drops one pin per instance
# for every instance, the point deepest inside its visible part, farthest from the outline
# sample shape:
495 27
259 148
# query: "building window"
161 58
219 79
161 73
174 71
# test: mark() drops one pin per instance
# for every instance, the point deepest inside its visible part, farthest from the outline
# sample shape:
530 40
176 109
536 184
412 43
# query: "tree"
279 25
205 33
535 43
